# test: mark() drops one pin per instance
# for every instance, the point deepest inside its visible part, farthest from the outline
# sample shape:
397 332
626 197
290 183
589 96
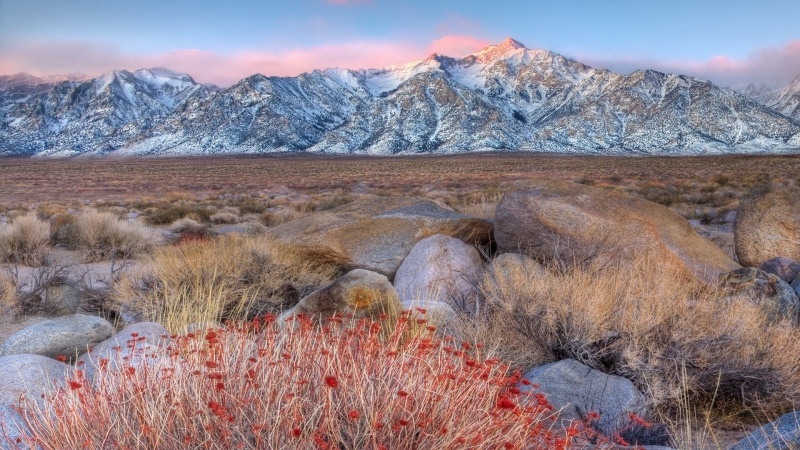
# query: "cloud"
457 46
226 69
775 66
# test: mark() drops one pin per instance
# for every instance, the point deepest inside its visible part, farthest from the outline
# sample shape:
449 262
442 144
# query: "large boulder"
574 224
30 377
785 268
775 296
131 346
377 234
768 225
68 336
782 434
360 293
576 390
440 269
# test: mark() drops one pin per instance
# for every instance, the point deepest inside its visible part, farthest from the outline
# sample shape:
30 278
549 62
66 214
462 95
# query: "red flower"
62 358
217 409
402 393
506 403
296 432
75 384
211 364
331 381
353 414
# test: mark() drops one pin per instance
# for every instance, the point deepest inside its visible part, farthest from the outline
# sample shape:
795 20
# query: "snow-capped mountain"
94 116
503 97
785 100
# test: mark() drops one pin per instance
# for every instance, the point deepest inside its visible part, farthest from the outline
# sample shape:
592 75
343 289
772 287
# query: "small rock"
31 377
776 297
785 268
729 217
68 336
63 299
129 346
440 269
782 434
439 314
576 390
360 292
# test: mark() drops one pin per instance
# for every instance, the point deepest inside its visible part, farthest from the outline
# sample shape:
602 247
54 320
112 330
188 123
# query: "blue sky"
729 42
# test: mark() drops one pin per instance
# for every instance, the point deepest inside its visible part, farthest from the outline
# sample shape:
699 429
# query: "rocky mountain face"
785 100
503 97
96 116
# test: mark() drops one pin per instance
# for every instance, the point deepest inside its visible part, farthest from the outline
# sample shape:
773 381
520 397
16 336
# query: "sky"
729 42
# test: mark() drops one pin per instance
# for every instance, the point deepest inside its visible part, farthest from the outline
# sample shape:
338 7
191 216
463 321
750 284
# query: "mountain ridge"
503 97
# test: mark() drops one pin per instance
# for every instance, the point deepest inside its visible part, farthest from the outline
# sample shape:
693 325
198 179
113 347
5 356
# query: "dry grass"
8 293
103 236
648 322
224 217
24 241
190 227
230 277
168 189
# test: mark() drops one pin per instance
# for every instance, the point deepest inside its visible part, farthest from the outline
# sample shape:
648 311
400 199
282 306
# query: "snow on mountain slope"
785 100
94 116
503 97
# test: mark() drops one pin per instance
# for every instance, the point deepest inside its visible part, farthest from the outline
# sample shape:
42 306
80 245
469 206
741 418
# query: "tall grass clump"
8 293
24 241
102 236
651 323
337 386
226 278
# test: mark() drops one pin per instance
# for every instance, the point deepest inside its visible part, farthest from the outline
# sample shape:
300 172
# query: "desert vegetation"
197 257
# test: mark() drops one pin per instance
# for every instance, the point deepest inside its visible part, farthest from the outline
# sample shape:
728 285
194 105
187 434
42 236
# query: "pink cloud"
774 66
226 69
456 45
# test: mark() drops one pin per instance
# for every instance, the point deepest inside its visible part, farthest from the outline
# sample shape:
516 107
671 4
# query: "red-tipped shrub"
341 384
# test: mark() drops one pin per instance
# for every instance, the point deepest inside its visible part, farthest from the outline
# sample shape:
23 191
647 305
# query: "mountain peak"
511 44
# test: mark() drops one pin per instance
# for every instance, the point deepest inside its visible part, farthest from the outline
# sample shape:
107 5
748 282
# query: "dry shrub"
332 387
166 214
64 230
277 217
646 321
224 217
49 210
190 227
230 277
8 293
334 202
24 241
482 206
102 236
